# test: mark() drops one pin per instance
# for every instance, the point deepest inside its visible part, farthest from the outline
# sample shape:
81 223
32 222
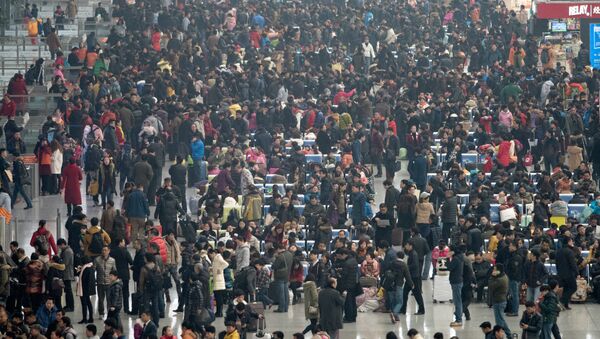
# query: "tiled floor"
581 322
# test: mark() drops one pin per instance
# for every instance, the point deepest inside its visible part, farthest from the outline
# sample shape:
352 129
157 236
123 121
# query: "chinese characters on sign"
564 10
595 45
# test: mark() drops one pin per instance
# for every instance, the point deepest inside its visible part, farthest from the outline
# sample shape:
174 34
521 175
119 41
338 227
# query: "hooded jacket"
115 295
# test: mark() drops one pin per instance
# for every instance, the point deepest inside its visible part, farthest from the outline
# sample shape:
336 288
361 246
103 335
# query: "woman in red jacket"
71 178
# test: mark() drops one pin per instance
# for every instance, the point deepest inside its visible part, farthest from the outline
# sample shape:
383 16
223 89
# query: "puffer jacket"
34 277
195 299
103 268
424 211
115 295
162 246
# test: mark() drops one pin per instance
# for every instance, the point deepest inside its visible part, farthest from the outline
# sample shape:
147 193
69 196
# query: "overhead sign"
564 10
595 45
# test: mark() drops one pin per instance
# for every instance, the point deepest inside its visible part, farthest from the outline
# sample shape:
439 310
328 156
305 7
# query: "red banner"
565 10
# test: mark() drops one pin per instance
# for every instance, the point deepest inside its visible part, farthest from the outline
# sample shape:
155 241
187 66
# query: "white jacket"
218 265
56 161
368 51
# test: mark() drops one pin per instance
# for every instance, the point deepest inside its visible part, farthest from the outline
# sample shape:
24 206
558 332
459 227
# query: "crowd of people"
283 116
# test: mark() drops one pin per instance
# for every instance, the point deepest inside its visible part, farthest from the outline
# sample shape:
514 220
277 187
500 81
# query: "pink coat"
437 253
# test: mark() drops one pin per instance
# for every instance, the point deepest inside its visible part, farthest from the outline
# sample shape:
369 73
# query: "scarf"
80 280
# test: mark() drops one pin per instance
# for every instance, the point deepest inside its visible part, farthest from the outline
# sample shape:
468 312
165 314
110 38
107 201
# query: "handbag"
94 188
507 214
313 310
204 316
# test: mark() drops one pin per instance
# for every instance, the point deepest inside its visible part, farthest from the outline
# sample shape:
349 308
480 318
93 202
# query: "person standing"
468 283
449 214
107 180
178 174
56 165
219 288
142 172
498 289
566 267
114 300
331 305
150 286
137 211
123 260
514 271
86 287
531 322
456 268
21 178
281 275
415 276
346 266
67 256
71 179
311 303
534 274
173 261
103 264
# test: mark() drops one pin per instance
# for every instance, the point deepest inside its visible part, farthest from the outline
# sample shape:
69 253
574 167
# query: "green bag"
402 153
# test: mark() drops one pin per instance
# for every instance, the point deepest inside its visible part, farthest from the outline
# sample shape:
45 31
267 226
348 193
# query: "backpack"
91 136
545 56
389 280
41 242
96 243
240 280
154 280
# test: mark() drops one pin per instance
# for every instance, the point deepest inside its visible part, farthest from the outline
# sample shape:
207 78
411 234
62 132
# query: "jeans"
546 331
457 301
263 296
499 316
102 294
106 195
281 287
19 189
397 300
426 267
513 291
533 293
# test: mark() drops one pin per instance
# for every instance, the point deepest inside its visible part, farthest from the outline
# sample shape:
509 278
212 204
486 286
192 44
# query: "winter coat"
449 210
34 274
566 265
70 183
401 273
107 178
311 298
575 157
424 211
52 249
103 268
534 273
498 288
87 240
56 162
550 308
137 205
218 266
456 267
67 258
122 261
534 325
331 306
167 208
162 247
142 173
514 267
115 295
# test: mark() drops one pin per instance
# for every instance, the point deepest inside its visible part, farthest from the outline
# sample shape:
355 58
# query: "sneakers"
455 324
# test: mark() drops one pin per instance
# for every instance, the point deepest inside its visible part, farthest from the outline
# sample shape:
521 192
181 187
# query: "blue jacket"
45 317
197 150
137 205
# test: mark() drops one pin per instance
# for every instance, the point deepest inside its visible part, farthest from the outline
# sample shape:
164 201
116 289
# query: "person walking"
498 289
70 184
399 278
137 210
331 305
107 180
514 271
415 276
566 267
150 286
456 268
311 303
114 299
549 309
123 260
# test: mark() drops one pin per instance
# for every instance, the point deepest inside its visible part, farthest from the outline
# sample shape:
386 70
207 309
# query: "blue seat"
335 232
463 199
551 268
308 143
495 213
470 158
575 210
316 158
269 178
299 208
566 197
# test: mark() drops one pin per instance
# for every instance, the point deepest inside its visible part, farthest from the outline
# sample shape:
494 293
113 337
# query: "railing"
78 28
38 102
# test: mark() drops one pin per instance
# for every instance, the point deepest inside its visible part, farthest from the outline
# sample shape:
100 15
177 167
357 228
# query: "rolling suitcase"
258 308
188 229
261 330
442 292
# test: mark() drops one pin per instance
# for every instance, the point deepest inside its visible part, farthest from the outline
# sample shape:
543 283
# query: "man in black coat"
420 245
178 173
415 275
514 271
149 328
347 282
392 195
122 261
566 267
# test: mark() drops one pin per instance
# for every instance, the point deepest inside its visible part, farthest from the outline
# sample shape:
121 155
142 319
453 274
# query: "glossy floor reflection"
581 322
